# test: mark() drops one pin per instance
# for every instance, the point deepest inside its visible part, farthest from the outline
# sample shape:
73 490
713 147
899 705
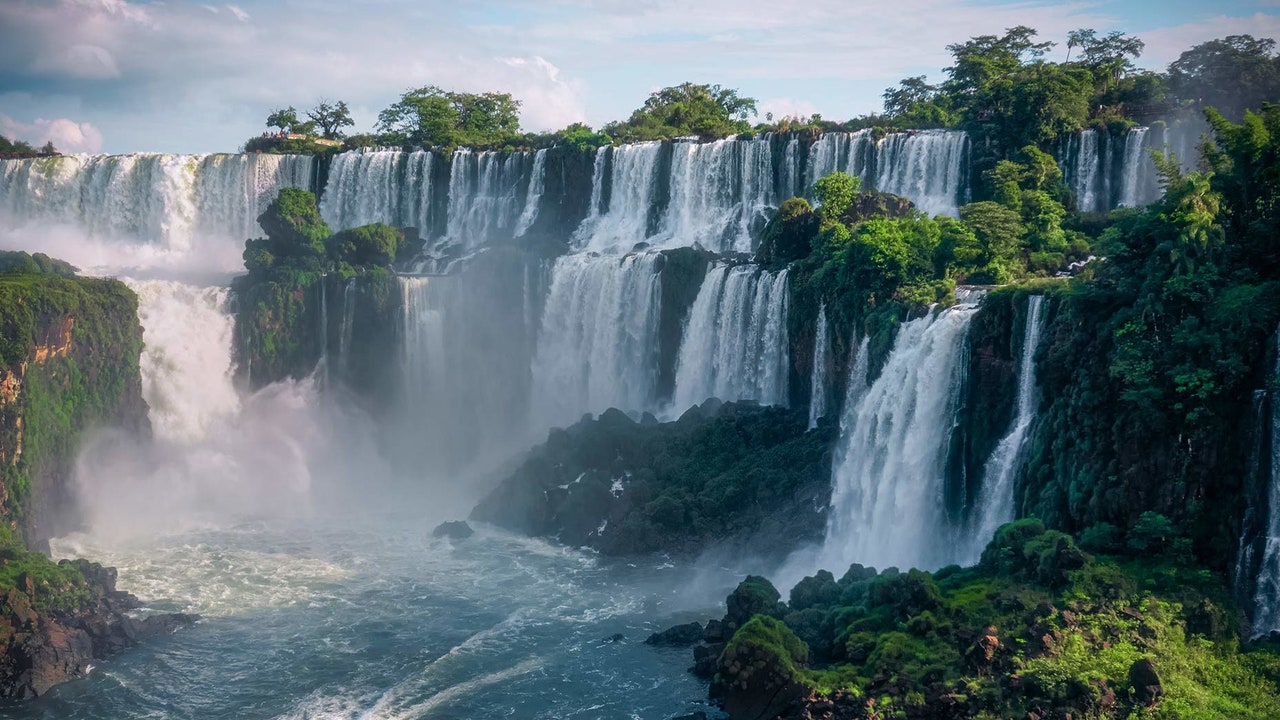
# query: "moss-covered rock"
69 353
1038 629
722 472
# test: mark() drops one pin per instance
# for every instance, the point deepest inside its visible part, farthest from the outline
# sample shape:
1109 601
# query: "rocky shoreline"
39 650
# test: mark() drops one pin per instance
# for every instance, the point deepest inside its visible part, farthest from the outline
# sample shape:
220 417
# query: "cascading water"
997 497
735 344
887 499
380 186
186 364
598 344
721 193
1081 157
926 167
617 224
853 153
347 329
789 174
485 196
1267 593
533 197
425 371
168 203
1138 186
821 369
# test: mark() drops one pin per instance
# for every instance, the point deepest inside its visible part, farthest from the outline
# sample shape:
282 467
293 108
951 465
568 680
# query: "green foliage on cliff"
279 315
1151 362
85 374
17 261
1039 626
49 586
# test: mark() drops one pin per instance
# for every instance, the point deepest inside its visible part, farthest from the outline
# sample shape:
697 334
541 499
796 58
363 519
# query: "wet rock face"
454 530
680 635
41 650
752 683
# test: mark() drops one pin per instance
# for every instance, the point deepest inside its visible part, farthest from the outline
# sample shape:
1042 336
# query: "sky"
178 76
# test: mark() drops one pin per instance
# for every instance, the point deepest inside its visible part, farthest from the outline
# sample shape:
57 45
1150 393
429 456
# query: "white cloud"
1164 45
240 14
68 136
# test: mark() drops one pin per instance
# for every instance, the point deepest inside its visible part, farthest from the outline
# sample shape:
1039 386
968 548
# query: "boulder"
453 529
1145 682
678 636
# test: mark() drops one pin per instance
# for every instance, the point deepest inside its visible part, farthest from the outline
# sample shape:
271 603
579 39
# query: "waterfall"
597 347
925 167
790 173
424 368
1252 539
186 362
380 186
821 369
347 329
170 202
853 153
1086 174
735 344
1139 185
721 193
534 195
484 196
461 403
1267 615
997 498
887 498
622 221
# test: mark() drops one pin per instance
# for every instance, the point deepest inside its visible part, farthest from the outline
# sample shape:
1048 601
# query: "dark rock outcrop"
686 634
39 650
723 473
453 529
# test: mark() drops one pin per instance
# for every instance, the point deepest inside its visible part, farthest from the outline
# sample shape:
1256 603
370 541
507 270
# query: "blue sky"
181 76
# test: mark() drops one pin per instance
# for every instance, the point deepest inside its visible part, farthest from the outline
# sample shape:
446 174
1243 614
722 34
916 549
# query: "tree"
48 149
433 116
985 58
708 111
1232 74
331 118
835 194
284 118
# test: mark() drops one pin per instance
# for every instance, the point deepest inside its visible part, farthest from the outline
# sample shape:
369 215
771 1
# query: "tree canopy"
1231 74
707 111
433 116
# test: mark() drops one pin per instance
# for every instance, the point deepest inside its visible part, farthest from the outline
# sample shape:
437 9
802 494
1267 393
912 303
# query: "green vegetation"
48 586
707 111
717 471
21 149
67 391
1039 626
430 116
69 350
1155 352
278 320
